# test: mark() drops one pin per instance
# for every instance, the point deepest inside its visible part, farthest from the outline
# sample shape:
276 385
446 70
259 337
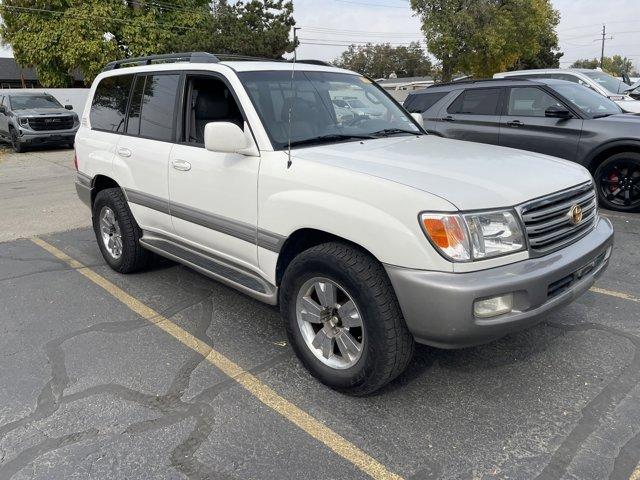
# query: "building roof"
10 70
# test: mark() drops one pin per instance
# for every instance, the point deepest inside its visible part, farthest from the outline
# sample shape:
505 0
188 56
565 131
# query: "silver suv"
29 119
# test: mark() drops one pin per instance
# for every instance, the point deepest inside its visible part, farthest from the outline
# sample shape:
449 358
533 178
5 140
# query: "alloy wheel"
330 323
620 183
110 232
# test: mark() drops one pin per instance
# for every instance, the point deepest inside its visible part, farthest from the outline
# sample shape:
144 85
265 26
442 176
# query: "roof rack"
482 80
198 57
191 57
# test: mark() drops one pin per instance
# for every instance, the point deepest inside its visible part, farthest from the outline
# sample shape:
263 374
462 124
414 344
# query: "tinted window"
477 101
587 100
530 102
110 103
422 102
158 107
133 121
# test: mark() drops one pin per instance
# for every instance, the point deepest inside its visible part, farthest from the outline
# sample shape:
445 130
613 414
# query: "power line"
369 4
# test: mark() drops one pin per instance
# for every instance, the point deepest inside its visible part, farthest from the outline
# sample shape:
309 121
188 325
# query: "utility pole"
604 34
295 42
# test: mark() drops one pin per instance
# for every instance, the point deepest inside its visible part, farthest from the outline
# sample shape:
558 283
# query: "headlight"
474 236
23 121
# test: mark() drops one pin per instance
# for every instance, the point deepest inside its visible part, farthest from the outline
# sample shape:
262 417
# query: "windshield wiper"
603 115
330 138
394 131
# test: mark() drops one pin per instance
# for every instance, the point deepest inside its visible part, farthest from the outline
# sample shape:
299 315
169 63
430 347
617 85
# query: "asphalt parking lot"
168 374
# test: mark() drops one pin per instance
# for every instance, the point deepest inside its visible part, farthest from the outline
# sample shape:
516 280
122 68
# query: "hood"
631 106
468 175
42 112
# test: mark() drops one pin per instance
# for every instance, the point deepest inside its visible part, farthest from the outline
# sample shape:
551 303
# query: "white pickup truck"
368 233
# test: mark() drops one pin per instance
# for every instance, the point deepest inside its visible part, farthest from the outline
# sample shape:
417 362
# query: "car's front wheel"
16 144
343 319
618 181
117 232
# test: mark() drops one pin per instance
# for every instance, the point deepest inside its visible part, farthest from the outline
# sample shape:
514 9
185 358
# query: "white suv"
367 232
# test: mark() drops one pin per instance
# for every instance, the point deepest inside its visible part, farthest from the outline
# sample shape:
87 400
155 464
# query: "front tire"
16 144
618 182
117 232
343 319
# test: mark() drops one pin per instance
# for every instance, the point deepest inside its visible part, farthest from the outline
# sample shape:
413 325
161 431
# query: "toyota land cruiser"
368 233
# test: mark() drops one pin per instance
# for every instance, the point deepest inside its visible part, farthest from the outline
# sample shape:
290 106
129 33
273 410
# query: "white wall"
66 96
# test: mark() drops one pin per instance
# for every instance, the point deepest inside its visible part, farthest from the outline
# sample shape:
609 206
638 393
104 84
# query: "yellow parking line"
253 385
612 293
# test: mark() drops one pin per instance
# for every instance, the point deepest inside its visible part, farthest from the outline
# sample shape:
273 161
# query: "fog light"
494 306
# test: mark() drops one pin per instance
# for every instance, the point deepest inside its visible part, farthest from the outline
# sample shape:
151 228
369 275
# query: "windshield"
605 80
23 102
313 100
586 99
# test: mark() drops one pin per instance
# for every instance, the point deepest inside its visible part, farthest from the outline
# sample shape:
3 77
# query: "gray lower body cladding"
438 306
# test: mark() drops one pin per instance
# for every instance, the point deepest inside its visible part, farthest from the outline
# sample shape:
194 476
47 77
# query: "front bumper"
52 137
438 306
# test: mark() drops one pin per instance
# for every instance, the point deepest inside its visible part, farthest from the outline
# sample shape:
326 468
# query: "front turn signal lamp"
464 237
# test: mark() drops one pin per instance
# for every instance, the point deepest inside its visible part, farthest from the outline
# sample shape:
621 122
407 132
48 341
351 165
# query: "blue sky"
339 22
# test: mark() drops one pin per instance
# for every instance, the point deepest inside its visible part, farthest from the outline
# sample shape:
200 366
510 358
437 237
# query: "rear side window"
152 111
421 102
109 104
477 101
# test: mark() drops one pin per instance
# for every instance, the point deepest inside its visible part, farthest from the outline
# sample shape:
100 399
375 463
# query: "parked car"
634 90
597 80
368 236
358 107
31 119
553 117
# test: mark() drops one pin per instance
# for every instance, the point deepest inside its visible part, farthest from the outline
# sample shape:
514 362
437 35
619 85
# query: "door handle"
448 118
124 152
515 124
181 165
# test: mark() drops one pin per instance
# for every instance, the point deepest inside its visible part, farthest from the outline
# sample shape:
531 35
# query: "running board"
213 266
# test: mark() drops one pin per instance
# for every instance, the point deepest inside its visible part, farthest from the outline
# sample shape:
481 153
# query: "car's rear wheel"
16 144
618 181
343 319
117 232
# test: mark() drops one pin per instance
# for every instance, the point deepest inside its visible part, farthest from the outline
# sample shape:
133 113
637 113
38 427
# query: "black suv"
553 117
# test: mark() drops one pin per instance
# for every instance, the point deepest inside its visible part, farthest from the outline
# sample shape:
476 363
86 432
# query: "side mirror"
227 137
418 118
557 112
3 109
68 107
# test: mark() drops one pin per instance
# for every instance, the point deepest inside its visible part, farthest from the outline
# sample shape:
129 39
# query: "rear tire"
618 182
117 232
377 324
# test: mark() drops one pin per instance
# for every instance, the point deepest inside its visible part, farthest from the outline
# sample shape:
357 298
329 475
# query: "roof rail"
482 80
191 57
312 61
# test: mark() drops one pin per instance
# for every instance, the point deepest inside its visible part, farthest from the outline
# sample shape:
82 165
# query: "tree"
482 37
61 36
381 60
615 65
549 54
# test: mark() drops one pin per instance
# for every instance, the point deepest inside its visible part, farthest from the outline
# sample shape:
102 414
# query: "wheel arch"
596 157
101 182
305 238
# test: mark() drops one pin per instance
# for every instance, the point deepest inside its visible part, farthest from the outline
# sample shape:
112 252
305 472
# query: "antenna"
293 71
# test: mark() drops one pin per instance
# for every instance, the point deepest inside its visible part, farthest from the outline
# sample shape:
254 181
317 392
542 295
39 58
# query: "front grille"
51 123
548 220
